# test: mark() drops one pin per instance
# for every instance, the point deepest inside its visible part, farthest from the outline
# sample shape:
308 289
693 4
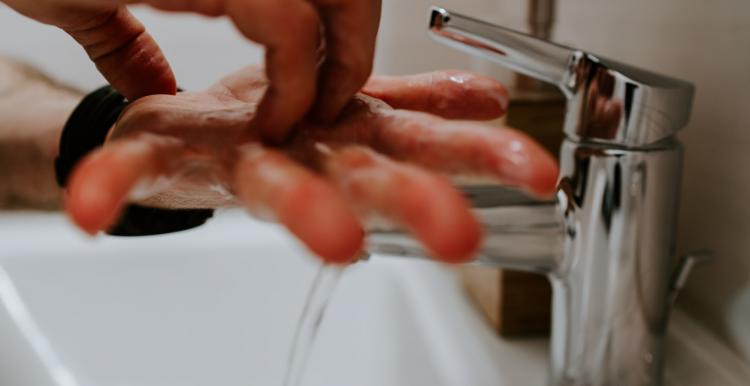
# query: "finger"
425 204
351 28
306 204
102 182
464 147
290 30
125 54
449 94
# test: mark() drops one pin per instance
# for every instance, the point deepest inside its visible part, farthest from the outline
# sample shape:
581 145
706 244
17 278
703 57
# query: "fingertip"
163 80
497 98
149 81
324 222
100 184
144 73
517 159
542 170
346 249
339 83
90 208
460 245
443 221
80 218
544 179
90 221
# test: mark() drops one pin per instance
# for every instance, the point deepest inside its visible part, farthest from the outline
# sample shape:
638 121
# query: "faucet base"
612 287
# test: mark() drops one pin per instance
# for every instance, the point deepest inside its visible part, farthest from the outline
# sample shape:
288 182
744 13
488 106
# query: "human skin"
298 36
376 159
386 156
33 110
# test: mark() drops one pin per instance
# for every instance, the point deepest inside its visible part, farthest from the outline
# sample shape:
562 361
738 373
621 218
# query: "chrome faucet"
607 243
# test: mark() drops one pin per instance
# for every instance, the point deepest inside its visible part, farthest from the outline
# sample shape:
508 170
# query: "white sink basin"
217 306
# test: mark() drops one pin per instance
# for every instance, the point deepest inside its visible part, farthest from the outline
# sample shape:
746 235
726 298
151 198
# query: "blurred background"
707 43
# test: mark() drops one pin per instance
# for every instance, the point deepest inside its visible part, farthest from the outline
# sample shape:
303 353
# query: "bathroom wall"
200 49
705 42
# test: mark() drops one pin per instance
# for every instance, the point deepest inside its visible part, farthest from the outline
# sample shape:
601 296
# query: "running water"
321 291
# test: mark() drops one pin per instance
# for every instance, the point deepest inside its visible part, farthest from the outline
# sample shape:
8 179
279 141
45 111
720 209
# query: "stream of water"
320 293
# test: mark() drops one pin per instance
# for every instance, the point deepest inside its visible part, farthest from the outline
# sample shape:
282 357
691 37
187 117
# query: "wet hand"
384 157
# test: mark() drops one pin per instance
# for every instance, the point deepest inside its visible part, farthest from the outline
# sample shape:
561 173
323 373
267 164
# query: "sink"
218 306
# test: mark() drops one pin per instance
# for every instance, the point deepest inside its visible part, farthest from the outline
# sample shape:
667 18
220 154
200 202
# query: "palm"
324 180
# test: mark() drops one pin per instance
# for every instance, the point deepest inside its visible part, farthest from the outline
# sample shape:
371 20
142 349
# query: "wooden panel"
524 304
483 285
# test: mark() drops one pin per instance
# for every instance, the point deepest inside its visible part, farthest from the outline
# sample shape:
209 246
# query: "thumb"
125 54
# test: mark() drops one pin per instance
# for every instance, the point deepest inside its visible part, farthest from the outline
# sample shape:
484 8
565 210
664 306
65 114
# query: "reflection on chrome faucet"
603 108
607 243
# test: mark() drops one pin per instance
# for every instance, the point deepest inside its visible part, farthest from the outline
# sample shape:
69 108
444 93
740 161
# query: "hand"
290 29
192 150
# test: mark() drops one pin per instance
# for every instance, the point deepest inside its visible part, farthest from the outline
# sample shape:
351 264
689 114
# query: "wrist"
33 111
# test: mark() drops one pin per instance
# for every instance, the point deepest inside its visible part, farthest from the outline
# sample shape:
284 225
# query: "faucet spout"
520 233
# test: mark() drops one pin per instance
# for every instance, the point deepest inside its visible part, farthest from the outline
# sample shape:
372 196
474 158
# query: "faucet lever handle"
608 101
520 52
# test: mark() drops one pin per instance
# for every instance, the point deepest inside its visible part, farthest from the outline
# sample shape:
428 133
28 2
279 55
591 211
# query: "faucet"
607 241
